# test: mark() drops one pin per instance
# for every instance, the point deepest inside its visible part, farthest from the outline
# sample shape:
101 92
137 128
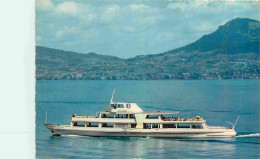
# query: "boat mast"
45 118
236 122
233 125
112 96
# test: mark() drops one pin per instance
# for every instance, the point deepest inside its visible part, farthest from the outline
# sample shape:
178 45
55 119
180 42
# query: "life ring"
128 106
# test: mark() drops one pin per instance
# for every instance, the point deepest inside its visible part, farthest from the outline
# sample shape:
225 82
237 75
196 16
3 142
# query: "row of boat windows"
112 125
118 105
145 125
129 116
193 126
117 116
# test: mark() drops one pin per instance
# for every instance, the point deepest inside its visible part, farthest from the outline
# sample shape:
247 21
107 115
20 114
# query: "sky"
127 28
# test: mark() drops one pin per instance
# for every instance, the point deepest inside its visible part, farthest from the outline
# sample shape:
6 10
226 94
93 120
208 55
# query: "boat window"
131 116
112 106
119 125
155 126
169 126
196 126
92 124
107 116
103 116
183 125
152 116
147 126
122 116
120 106
79 124
108 125
133 125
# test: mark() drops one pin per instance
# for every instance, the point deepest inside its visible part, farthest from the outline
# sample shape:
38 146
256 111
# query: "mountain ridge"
89 54
205 36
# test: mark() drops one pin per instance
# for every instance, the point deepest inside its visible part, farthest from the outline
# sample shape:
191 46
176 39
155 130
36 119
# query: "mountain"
46 56
236 36
231 52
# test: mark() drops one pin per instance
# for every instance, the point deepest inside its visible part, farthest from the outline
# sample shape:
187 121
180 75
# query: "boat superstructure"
128 119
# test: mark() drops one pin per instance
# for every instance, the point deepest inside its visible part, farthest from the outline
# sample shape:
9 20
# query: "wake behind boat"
128 119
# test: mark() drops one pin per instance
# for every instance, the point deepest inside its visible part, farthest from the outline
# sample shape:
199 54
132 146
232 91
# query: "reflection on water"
130 147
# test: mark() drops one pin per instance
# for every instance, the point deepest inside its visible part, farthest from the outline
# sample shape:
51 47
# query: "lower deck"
141 125
134 132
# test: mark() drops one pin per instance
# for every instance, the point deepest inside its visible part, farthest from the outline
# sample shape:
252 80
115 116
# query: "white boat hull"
58 130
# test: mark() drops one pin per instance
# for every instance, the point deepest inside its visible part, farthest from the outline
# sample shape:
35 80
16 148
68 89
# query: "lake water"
217 101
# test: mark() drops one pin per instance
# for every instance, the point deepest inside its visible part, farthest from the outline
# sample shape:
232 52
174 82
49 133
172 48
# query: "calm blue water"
217 101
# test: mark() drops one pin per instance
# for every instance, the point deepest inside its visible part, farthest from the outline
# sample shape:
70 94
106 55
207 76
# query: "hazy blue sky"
126 28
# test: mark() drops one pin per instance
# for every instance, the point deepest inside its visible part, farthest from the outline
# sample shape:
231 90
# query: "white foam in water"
249 135
71 135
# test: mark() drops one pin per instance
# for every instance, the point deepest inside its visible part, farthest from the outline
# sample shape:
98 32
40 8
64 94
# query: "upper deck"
132 108
122 113
132 115
144 112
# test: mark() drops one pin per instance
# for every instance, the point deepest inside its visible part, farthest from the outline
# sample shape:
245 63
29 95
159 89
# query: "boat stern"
233 133
229 133
217 131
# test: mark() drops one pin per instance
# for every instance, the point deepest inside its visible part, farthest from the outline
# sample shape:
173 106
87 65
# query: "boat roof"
158 112
145 112
131 108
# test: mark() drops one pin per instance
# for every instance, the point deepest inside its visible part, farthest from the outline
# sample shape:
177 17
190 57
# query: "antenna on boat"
112 96
236 122
234 125
45 117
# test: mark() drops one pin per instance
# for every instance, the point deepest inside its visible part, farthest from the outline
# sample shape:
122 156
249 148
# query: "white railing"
85 117
218 127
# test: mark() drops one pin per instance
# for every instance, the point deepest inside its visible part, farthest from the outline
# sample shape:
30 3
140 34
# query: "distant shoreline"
142 80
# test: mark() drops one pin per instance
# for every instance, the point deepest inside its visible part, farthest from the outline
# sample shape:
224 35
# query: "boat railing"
119 117
85 117
181 119
218 127
152 118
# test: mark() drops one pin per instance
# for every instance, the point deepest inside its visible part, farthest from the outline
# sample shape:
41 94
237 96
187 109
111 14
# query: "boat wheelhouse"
128 119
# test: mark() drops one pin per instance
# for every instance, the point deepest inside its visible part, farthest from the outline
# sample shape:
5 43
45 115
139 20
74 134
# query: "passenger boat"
128 119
